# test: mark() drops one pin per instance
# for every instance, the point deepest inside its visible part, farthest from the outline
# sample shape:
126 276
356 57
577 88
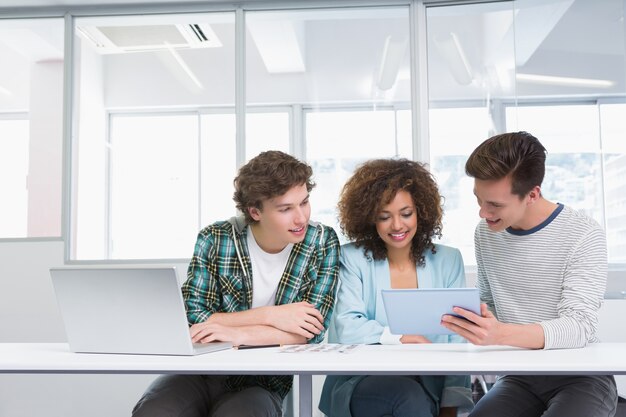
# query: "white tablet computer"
419 311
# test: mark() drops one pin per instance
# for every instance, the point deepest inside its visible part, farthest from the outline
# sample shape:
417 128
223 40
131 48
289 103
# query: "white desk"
434 359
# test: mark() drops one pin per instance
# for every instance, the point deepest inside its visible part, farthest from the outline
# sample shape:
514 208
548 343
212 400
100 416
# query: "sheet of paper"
320 348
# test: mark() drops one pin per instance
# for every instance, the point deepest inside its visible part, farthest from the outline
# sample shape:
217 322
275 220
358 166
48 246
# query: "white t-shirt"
267 269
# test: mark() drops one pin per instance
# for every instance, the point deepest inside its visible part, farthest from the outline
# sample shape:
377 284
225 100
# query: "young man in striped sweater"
542 270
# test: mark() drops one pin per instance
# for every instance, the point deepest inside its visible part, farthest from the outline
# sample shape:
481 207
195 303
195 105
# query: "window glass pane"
471 54
266 131
138 65
13 174
349 69
154 186
569 49
573 165
556 43
31 127
218 166
328 56
404 140
613 131
471 64
613 128
451 144
337 142
527 64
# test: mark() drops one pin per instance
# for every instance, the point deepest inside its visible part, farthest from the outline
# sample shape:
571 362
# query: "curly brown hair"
269 174
374 185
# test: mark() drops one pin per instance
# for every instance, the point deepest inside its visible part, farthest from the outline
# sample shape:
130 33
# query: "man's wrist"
507 332
212 318
529 336
265 315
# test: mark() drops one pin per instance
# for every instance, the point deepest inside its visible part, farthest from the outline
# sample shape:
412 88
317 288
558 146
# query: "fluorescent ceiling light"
393 55
5 92
570 81
404 74
453 54
280 44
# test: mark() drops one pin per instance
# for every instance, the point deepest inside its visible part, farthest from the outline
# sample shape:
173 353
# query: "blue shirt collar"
540 226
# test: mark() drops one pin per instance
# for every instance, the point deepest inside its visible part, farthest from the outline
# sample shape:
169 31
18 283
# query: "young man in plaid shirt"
268 277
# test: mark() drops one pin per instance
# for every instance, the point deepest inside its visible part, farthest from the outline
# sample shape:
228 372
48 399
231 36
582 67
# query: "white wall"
70 395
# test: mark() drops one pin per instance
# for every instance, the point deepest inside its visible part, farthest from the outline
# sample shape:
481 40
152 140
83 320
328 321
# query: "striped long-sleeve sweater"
554 274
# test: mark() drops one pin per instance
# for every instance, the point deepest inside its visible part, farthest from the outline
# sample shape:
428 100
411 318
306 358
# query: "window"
169 174
157 146
345 72
153 179
13 175
155 136
31 90
217 166
571 134
454 133
613 128
523 65
338 141
333 86
267 131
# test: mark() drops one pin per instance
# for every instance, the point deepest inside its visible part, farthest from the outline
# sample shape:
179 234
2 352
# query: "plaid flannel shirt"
216 281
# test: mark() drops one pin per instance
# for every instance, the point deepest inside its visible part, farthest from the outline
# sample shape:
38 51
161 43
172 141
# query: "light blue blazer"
359 317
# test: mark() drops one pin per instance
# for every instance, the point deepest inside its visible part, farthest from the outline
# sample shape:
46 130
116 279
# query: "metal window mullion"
108 193
602 161
419 81
200 167
69 186
240 85
296 132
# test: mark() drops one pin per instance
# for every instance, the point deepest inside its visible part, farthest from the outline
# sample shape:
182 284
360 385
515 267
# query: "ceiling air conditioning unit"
145 38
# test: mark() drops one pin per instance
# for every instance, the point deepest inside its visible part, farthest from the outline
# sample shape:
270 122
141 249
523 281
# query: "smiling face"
500 207
282 220
396 223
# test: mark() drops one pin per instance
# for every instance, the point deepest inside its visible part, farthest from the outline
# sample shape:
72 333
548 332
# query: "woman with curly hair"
391 210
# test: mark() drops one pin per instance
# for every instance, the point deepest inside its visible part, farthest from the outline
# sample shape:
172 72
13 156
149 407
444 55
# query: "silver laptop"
125 310
419 311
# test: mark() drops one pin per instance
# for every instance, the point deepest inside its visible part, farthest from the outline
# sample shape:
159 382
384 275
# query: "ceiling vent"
145 38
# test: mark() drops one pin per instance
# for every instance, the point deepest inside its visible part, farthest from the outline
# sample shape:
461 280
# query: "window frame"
419 103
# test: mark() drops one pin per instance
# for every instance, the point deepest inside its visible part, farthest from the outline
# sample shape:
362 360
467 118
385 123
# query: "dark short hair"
375 184
269 174
519 155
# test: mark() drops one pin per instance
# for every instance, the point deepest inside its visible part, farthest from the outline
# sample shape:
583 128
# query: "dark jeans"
549 396
205 396
397 396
